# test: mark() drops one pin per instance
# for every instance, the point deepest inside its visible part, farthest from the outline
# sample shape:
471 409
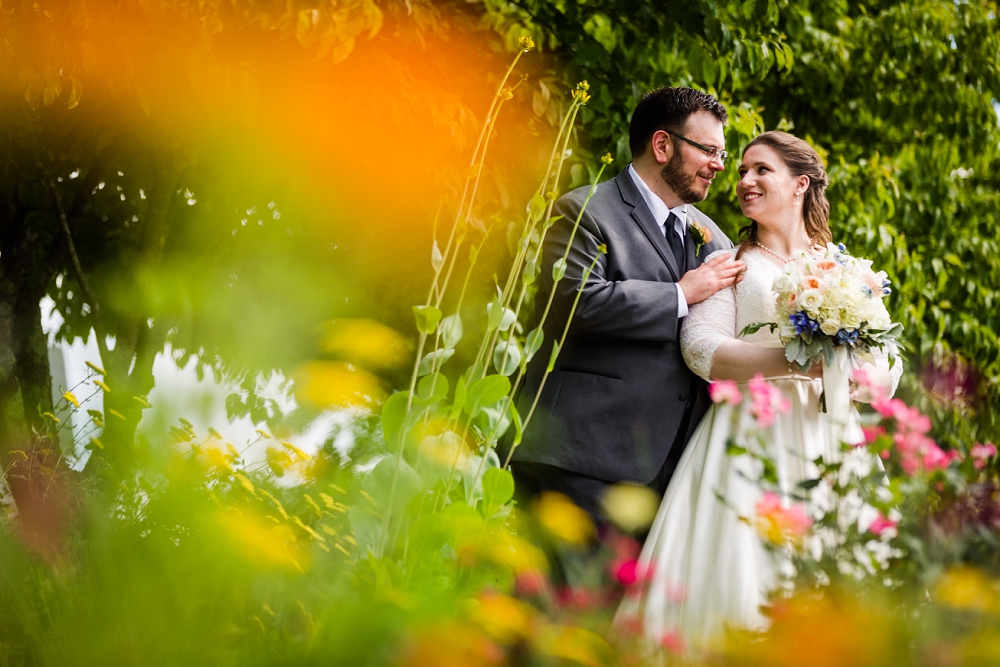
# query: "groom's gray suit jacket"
613 405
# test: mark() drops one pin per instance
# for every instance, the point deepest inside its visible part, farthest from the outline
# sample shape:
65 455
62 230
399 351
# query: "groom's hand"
710 277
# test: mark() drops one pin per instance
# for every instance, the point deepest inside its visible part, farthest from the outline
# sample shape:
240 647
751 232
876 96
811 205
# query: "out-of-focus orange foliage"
827 631
368 115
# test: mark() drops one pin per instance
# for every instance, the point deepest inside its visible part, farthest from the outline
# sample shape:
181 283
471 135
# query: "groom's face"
689 172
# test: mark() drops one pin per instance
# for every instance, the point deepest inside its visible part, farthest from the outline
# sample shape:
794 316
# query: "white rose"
851 319
783 284
810 300
830 327
879 318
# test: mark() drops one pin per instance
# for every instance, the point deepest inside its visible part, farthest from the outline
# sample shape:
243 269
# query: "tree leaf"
393 415
451 330
532 343
506 356
437 259
435 359
459 401
486 391
536 207
498 490
553 356
427 318
434 384
558 269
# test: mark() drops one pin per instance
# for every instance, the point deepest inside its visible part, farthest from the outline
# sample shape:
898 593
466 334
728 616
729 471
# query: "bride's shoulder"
725 251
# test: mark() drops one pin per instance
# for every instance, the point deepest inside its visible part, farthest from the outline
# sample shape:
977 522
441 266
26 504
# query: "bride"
697 544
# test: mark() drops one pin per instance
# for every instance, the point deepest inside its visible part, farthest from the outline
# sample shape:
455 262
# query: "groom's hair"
668 109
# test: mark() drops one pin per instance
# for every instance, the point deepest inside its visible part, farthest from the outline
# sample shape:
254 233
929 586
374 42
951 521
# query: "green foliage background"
899 97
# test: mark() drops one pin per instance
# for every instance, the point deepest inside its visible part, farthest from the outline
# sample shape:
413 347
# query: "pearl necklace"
766 249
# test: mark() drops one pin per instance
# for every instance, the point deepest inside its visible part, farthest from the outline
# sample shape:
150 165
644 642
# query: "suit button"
683 396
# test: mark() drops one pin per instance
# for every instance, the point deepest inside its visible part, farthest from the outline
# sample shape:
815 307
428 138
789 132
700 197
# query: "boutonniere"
701 236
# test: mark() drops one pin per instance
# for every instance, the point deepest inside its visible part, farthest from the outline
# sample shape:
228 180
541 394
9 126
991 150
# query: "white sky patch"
179 393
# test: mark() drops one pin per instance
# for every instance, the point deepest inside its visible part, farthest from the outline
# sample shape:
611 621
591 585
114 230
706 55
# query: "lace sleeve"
708 324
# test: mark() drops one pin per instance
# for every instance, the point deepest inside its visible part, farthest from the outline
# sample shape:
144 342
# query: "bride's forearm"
738 360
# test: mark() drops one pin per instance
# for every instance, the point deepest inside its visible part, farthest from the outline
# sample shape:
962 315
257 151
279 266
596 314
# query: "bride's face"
767 188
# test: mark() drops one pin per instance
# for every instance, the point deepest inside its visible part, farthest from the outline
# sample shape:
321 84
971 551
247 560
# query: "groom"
620 403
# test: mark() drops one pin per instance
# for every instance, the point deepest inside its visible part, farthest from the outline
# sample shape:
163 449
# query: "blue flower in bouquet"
803 323
845 337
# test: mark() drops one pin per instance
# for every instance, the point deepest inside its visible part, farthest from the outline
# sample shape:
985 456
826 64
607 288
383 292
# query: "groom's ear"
662 147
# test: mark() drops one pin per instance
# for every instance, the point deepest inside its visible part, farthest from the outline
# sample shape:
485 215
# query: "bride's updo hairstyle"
801 160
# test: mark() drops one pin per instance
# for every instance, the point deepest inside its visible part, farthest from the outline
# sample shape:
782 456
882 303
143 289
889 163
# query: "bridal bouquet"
828 300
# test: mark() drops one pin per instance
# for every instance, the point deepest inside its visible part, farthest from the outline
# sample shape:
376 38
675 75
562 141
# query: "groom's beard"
682 183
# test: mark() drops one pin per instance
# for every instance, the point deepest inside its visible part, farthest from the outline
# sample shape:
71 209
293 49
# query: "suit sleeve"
640 310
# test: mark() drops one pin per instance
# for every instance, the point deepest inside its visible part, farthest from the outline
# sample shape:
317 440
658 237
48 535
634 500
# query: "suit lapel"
644 218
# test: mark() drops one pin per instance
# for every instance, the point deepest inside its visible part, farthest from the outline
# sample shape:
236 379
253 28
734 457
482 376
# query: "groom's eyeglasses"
712 152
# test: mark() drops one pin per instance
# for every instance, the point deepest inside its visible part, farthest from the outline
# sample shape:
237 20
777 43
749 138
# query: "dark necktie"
675 242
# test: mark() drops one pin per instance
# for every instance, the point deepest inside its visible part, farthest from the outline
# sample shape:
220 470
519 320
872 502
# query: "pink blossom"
881 524
760 390
577 598
725 391
918 452
872 433
529 583
631 572
891 407
780 524
981 453
767 401
672 641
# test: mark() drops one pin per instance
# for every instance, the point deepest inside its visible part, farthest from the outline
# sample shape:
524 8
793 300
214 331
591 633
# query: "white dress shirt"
660 213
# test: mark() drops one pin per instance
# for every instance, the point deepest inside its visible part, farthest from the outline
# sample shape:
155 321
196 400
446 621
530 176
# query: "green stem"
489 340
562 340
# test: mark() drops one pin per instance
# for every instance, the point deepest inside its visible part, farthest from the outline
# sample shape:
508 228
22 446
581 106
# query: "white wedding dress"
707 568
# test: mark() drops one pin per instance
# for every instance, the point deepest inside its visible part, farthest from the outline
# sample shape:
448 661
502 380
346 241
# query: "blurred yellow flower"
526 43
97 369
444 450
367 343
72 399
299 454
218 459
576 645
245 482
278 460
262 543
557 513
449 644
103 386
502 617
965 587
631 507
506 548
335 383
825 631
